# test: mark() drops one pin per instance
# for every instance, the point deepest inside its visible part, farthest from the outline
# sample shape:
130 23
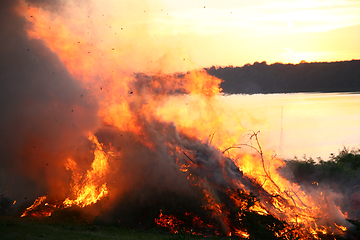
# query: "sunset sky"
232 32
170 36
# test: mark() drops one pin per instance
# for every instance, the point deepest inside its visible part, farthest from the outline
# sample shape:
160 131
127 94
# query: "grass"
31 229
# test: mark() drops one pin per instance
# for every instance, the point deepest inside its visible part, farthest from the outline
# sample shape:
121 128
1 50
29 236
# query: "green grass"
15 228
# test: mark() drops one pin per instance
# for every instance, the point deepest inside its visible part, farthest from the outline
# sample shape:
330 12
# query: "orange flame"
37 203
168 221
242 233
88 190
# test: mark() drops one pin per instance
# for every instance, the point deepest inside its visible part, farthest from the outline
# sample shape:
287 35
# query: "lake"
298 124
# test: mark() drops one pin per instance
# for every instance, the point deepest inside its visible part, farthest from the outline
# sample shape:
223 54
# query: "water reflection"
311 124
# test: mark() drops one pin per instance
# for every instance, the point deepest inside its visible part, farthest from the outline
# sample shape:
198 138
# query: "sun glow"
258 31
229 33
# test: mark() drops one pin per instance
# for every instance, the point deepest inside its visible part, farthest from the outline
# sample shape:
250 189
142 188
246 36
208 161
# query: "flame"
258 209
132 102
168 221
36 204
342 228
174 225
88 190
242 233
85 190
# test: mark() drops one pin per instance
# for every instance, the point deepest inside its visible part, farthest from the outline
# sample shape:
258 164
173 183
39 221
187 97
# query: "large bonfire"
166 151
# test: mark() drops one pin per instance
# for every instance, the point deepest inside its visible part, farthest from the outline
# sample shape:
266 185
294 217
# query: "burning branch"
258 149
211 137
281 197
189 157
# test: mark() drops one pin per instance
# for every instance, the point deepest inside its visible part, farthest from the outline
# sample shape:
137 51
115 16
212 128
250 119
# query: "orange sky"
169 36
239 32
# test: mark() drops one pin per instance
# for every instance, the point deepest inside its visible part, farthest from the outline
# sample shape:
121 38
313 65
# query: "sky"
172 36
232 32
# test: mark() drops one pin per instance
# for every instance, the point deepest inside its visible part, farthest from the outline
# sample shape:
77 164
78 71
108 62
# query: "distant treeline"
289 78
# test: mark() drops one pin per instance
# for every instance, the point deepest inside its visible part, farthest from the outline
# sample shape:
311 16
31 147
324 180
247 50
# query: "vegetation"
339 175
288 78
342 169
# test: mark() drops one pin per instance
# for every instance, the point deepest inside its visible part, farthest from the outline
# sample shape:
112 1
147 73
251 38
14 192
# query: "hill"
289 78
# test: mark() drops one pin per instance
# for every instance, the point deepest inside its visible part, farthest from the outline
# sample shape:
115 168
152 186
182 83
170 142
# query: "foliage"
340 176
340 169
284 78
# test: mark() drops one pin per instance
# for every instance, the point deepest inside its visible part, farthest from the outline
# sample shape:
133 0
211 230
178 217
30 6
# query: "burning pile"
223 198
162 149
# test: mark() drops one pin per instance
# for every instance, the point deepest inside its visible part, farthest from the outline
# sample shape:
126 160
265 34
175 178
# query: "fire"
242 234
180 121
174 225
258 209
37 203
341 228
87 190
169 222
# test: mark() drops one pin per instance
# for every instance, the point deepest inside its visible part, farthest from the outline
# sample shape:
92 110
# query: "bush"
340 174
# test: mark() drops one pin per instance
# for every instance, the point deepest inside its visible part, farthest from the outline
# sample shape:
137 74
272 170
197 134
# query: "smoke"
144 180
44 111
65 77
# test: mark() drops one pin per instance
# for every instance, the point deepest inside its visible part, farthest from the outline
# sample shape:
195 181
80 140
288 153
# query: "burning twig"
299 198
258 150
189 158
281 194
211 137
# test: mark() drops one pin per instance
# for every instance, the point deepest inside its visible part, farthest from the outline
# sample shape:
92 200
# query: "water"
311 124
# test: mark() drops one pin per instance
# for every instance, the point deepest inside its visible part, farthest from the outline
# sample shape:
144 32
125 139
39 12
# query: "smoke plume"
44 111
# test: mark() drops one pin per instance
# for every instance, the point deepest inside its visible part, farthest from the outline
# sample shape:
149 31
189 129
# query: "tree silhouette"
288 78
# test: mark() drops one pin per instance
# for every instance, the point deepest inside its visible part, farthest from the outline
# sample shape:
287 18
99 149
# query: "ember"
161 149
